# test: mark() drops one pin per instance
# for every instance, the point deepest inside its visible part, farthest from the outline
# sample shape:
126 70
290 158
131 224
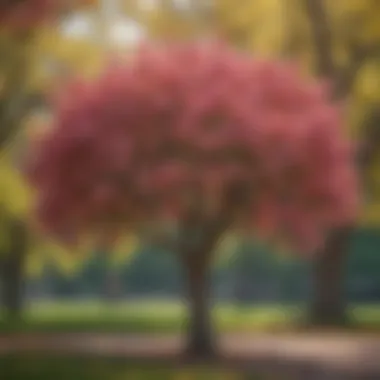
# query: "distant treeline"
252 275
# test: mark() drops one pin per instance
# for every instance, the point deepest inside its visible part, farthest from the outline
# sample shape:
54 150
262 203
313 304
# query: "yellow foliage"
61 56
45 48
34 263
15 197
228 244
256 26
68 261
165 22
367 85
370 215
124 249
355 20
45 251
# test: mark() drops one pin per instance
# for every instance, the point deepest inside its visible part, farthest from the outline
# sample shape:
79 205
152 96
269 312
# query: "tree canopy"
150 140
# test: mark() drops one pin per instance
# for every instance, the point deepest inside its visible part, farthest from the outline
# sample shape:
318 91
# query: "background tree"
344 40
21 22
340 42
191 151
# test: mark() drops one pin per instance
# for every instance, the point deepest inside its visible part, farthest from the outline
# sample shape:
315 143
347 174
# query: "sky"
121 30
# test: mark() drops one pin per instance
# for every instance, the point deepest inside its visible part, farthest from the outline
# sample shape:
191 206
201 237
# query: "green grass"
149 317
39 368
163 317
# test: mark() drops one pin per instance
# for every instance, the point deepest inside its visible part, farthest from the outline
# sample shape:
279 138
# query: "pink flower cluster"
182 125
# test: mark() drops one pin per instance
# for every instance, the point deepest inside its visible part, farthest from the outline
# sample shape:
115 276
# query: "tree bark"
13 266
328 303
200 339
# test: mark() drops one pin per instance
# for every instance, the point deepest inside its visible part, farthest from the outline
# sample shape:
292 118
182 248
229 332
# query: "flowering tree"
205 139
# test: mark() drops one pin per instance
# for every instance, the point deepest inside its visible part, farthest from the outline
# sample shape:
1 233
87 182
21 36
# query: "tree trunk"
111 286
200 340
329 305
13 266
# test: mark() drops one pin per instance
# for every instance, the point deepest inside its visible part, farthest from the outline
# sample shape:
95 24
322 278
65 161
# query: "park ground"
141 340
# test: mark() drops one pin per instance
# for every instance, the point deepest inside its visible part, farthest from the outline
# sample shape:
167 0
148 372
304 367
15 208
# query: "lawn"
39 368
164 317
143 316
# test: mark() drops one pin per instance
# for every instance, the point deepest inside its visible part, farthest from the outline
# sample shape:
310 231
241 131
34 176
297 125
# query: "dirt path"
345 356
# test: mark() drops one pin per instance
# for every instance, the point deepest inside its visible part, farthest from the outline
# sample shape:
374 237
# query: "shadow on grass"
40 368
130 325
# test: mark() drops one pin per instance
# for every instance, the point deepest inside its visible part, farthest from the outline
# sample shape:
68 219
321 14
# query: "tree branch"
369 146
322 36
13 99
345 78
15 109
368 150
